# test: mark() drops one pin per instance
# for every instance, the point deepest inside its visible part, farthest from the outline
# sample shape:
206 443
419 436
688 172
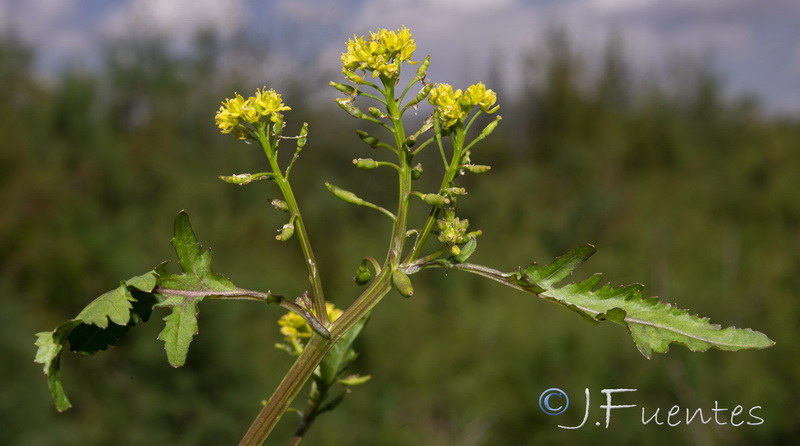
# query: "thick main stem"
308 361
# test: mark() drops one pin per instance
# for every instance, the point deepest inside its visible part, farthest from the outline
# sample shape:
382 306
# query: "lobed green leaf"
97 327
183 292
107 318
653 325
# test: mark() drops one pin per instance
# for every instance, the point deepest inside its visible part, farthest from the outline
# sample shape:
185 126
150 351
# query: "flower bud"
402 283
363 275
365 163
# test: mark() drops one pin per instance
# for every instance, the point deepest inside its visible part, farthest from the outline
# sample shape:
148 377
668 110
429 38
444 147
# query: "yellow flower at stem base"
296 331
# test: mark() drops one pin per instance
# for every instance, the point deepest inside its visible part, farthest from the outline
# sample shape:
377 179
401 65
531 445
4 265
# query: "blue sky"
754 44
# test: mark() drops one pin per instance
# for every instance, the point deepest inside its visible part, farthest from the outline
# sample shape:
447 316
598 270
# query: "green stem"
317 295
308 361
404 175
245 294
449 176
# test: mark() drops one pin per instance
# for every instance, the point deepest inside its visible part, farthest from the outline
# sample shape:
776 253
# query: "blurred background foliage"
680 185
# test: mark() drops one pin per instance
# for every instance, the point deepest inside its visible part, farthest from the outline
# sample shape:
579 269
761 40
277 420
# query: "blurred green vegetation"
680 186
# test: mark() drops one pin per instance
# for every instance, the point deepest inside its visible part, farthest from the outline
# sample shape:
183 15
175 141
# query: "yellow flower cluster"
381 53
295 329
250 110
454 106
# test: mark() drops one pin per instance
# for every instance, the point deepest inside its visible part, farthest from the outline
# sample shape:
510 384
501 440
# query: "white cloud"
311 11
176 20
463 36
620 5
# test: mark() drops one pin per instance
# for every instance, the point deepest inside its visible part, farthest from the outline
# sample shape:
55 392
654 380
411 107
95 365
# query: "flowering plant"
318 334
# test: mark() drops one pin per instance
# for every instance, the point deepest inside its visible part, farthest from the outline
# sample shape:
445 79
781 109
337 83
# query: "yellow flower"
295 330
268 102
250 110
381 54
229 112
454 106
448 103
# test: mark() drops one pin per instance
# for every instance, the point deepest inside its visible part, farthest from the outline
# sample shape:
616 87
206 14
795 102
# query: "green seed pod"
353 77
465 157
286 232
422 95
402 283
280 205
277 127
303 137
477 168
435 199
490 128
455 191
423 68
365 163
344 195
363 275
346 89
427 125
354 380
240 179
466 250
416 172
352 110
375 112
368 139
